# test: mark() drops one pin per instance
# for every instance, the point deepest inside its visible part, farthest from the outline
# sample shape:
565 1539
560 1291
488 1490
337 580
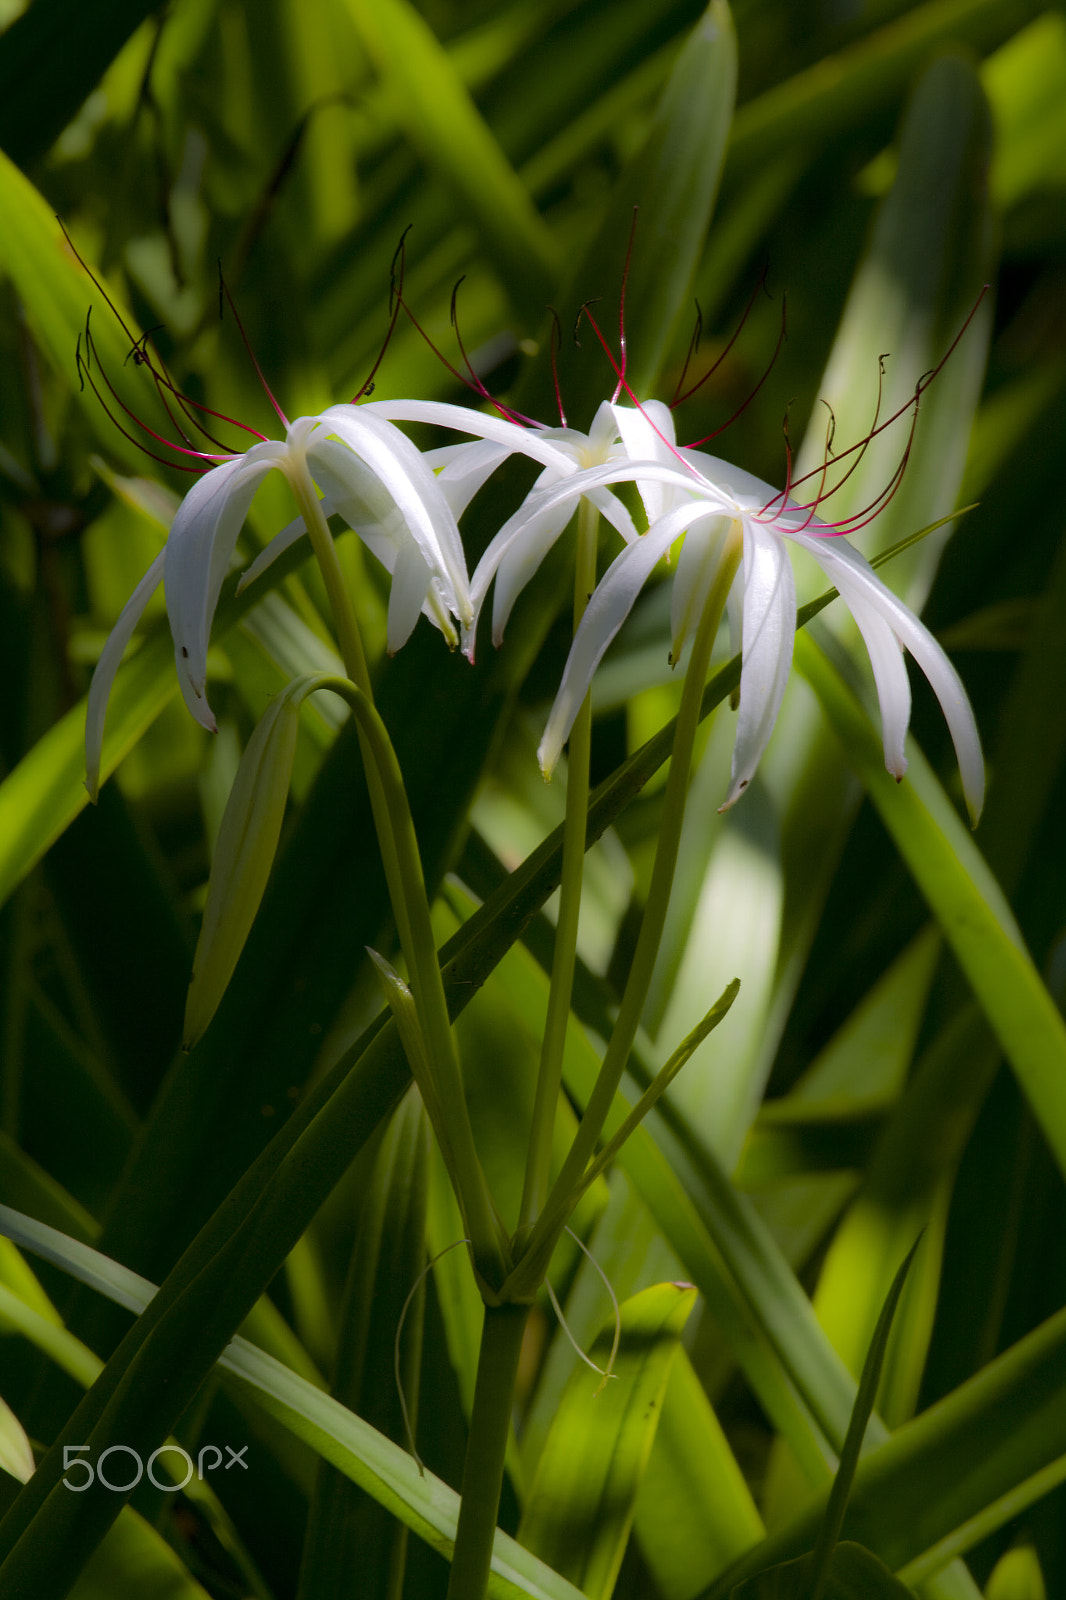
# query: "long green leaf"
582 1501
963 1468
50 58
965 899
367 1457
433 104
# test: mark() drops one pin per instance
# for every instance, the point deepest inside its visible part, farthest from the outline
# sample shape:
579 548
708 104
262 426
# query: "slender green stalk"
528 1274
354 658
340 601
490 1421
490 1243
407 893
575 827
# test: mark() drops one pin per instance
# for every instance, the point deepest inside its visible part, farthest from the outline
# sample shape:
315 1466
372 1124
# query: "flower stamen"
680 398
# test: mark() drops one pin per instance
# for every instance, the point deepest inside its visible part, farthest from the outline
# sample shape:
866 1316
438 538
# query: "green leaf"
41 796
695 1512
57 293
582 1501
432 103
965 899
50 58
16 1456
672 182
907 1187
829 1532
854 1574
378 1466
929 255
346 1532
1017 1576
136 1559
960 1470
840 91
244 853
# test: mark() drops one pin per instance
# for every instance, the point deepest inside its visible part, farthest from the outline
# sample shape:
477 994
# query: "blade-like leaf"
380 1467
965 898
50 59
582 1501
434 106
244 854
853 1574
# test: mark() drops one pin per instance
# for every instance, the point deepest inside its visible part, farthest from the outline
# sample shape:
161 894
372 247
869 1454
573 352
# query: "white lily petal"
531 514
407 595
464 469
412 487
520 561
648 433
742 489
202 540
542 501
851 571
769 631
612 600
545 445
613 511
696 569
296 529
104 675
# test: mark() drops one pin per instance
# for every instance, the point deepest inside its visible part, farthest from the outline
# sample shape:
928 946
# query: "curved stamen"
477 385
623 385
395 302
782 335
556 340
161 378
223 290
923 383
690 355
679 398
84 369
622 350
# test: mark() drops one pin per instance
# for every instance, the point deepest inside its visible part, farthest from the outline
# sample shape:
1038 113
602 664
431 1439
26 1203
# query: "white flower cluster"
406 505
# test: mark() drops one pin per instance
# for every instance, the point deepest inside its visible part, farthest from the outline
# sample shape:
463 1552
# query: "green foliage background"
896 1060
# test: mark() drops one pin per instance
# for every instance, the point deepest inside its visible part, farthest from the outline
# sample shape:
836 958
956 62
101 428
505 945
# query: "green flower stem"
497 1369
407 894
354 658
562 976
487 1234
528 1274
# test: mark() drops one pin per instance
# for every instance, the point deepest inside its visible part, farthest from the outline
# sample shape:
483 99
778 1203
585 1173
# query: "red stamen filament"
85 374
556 338
923 383
223 289
191 409
624 385
680 398
746 403
395 303
475 384
622 349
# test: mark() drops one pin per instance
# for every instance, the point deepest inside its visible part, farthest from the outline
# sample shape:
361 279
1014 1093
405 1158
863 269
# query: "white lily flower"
370 474
619 434
714 500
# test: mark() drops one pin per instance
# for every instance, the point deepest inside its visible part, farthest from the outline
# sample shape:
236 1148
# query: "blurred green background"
885 161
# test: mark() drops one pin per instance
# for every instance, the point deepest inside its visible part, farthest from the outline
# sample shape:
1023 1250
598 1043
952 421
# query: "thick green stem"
562 976
530 1271
449 1102
497 1368
354 658
407 894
